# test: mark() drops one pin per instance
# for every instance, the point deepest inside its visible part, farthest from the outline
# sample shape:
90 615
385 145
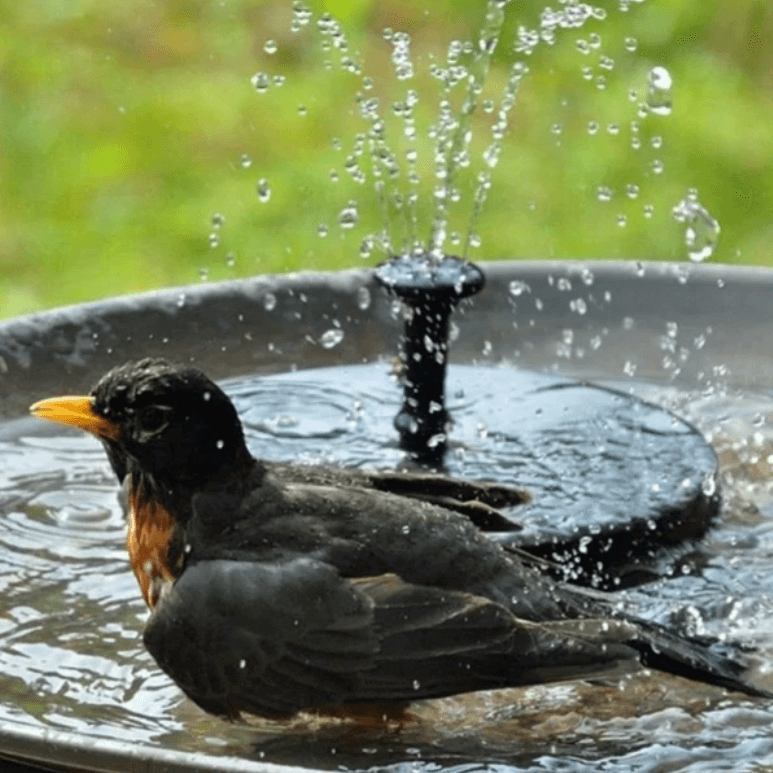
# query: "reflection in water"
71 655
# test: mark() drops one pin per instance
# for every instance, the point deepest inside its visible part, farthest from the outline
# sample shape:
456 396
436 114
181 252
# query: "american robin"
277 588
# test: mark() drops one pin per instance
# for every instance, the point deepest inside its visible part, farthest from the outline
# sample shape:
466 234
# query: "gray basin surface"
272 324
679 335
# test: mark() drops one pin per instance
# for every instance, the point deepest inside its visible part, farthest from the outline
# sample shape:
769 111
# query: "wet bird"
277 588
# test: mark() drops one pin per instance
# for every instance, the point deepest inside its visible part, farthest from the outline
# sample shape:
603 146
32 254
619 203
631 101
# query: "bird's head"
171 425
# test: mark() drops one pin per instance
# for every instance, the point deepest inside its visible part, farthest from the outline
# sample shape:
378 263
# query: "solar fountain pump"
430 289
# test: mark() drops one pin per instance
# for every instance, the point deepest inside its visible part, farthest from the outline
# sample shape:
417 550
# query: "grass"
127 125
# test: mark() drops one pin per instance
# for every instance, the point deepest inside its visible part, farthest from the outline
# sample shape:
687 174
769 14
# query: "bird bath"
79 689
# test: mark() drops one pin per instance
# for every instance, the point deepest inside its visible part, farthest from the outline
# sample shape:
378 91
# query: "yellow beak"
77 412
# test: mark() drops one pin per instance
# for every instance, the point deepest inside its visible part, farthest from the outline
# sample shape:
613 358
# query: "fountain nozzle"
430 289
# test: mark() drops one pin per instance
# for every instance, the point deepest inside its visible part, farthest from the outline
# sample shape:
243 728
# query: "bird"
277 588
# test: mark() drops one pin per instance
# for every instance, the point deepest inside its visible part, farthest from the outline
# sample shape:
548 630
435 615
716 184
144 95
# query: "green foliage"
126 124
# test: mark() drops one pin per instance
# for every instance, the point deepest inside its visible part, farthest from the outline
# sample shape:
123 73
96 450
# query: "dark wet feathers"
311 588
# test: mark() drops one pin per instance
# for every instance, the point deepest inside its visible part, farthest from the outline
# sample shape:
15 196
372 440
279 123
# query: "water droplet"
261 82
659 94
657 166
701 229
593 127
230 260
579 306
220 444
606 63
322 230
632 190
180 300
604 194
203 273
270 47
435 440
302 110
302 15
363 298
709 484
217 220
348 217
269 301
366 247
245 161
517 287
214 240
331 338
263 190
631 44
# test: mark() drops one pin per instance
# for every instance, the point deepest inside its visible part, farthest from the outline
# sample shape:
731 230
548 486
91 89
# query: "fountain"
85 693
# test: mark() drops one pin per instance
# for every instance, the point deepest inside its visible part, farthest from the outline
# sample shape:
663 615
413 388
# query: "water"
71 656
437 130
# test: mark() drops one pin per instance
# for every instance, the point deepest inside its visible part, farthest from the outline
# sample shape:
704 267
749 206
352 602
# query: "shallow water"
71 656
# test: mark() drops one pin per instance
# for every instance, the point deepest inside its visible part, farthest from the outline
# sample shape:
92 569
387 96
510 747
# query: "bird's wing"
480 501
273 638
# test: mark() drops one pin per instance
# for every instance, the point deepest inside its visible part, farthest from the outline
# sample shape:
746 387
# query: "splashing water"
390 160
701 234
659 94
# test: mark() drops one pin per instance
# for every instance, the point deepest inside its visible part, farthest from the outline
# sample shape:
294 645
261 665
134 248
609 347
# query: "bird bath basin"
79 690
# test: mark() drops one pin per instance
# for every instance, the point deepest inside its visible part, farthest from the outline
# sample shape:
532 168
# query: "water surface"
71 656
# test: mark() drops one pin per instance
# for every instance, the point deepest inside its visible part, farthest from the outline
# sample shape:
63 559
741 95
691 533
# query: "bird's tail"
702 660
574 642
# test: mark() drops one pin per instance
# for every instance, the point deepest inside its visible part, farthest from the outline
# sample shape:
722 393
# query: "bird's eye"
153 418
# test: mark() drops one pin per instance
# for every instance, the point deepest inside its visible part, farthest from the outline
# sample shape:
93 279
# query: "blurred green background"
133 139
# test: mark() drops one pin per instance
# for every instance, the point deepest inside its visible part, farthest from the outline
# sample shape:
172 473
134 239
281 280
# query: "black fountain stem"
431 289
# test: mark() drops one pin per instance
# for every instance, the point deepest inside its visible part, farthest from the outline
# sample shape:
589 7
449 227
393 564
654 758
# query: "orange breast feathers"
150 530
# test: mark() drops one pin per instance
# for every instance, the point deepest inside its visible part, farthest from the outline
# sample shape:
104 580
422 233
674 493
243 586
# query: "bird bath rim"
271 324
